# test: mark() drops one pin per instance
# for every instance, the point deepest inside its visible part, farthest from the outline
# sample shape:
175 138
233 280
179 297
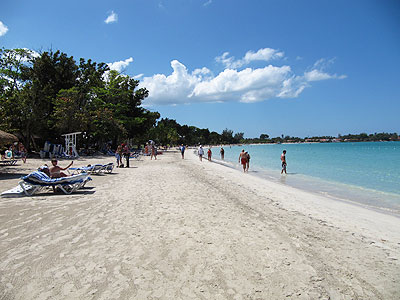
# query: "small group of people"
16 150
244 159
200 153
151 149
122 151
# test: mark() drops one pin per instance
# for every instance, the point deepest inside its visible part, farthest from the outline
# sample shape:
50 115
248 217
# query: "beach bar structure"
70 144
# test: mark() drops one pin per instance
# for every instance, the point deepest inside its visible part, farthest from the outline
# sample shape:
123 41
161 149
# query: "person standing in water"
248 161
209 153
222 152
283 160
243 160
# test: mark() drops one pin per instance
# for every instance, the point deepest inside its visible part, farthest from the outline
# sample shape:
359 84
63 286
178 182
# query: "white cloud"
174 88
318 73
248 85
3 29
207 3
233 85
264 54
138 76
120 65
33 53
112 18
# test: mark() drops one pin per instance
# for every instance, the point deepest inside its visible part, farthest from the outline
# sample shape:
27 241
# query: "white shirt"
201 151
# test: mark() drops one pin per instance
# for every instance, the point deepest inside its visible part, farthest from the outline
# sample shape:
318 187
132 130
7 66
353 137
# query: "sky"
292 67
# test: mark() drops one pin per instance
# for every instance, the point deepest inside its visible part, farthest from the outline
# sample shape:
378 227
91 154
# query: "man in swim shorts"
243 160
284 164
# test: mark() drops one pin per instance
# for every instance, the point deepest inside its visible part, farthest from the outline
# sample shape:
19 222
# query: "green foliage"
49 95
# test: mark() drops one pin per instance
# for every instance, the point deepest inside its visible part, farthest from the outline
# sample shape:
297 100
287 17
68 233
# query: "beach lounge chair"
8 162
93 169
107 168
38 181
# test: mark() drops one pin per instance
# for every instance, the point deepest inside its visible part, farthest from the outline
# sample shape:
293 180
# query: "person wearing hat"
55 170
200 152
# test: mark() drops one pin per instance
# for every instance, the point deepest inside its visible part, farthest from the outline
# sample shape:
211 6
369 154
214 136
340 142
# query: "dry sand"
185 229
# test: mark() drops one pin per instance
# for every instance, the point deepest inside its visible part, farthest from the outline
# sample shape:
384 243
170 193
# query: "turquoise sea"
367 173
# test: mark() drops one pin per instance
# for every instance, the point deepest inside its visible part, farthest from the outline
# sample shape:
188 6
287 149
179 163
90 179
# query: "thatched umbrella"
7 138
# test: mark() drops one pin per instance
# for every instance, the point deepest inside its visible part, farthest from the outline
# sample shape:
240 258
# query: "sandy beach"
184 229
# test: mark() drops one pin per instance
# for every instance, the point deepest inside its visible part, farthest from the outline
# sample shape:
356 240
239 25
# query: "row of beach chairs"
39 182
93 169
8 162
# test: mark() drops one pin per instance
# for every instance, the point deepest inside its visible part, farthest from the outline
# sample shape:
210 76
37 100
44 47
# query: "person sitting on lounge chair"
55 170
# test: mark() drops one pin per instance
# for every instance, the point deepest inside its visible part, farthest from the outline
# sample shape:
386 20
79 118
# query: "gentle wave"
367 173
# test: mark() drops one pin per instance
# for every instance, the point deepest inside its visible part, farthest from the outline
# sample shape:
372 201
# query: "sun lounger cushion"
37 181
41 178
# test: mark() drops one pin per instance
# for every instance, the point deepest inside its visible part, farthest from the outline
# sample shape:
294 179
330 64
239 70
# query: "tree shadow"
7 176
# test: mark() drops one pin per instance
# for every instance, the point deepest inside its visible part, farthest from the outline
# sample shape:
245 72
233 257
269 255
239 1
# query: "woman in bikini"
55 170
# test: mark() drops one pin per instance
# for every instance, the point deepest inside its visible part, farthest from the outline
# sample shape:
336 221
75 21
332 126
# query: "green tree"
15 107
227 136
238 137
50 73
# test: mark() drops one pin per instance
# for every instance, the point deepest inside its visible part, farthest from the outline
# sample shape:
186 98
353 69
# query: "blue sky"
299 68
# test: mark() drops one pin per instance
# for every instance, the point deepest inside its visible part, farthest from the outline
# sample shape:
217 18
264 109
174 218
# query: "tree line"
43 96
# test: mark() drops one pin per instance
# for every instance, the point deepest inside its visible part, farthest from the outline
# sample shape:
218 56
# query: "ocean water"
367 173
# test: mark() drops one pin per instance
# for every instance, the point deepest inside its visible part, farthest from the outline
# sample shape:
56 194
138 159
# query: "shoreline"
371 195
184 229
316 198
352 194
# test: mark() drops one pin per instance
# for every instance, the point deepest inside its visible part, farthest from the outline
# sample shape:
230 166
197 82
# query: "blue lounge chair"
8 162
108 168
37 181
93 169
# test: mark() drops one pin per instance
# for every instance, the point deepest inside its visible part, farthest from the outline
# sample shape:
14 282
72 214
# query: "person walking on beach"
183 151
243 160
283 160
200 152
153 152
222 152
22 151
118 155
248 161
127 154
209 153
